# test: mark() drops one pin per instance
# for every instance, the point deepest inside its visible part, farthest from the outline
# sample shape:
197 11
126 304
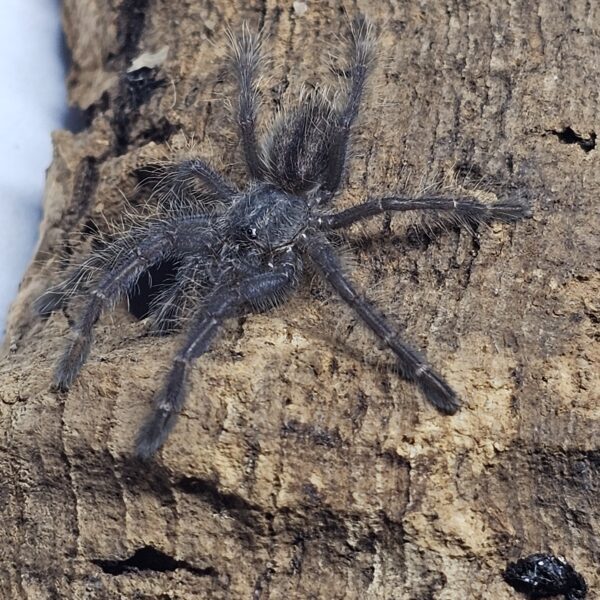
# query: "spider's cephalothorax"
268 218
237 251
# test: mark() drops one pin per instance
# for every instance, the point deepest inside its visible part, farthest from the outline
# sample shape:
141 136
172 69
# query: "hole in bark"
89 228
84 186
131 26
140 85
149 286
74 119
159 132
149 559
569 136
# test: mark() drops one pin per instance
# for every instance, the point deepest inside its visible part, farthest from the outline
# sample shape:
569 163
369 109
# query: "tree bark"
302 466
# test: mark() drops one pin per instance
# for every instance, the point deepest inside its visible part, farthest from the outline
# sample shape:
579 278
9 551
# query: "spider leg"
246 60
120 273
174 301
362 54
225 301
412 365
77 280
174 182
464 209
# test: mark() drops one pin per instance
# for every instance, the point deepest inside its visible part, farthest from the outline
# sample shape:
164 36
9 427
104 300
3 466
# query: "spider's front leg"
412 365
225 301
463 210
246 60
362 55
119 273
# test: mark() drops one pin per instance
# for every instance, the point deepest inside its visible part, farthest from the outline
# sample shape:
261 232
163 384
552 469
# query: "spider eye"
251 233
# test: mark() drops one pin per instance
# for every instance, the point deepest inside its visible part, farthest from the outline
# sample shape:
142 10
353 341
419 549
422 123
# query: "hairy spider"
242 250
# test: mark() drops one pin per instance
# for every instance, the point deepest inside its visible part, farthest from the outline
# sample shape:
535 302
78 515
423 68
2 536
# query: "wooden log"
302 465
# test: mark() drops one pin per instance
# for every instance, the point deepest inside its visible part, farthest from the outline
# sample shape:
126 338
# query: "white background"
32 104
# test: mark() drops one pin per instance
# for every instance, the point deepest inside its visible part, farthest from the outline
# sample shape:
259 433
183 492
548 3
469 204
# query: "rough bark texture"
302 466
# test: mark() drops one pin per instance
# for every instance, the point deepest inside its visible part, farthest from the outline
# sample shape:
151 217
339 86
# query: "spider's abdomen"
268 217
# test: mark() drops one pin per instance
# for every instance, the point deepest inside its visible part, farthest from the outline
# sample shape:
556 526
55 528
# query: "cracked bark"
302 467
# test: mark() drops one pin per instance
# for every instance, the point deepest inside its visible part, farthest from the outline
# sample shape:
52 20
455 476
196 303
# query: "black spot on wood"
150 559
317 435
84 186
90 228
140 85
96 108
569 136
148 175
131 22
211 494
135 89
543 575
159 132
468 171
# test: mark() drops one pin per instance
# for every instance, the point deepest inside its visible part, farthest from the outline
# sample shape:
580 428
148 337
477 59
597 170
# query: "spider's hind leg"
412 365
114 280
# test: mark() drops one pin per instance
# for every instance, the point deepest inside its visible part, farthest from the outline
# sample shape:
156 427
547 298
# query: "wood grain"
302 466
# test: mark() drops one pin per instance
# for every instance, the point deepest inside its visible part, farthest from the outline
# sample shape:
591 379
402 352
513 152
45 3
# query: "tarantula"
242 250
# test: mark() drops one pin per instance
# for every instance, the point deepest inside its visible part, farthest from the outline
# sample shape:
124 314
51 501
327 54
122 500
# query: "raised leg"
362 54
464 209
222 303
412 365
246 57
